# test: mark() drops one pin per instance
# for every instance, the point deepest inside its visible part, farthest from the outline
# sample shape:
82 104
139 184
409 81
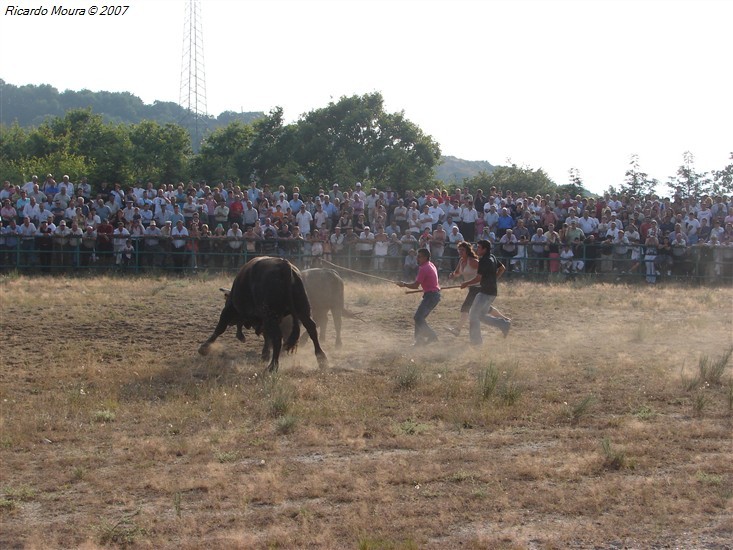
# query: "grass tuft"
581 409
709 371
510 391
644 412
708 479
78 473
372 543
612 459
22 493
123 532
280 396
286 424
699 402
488 378
177 503
104 416
224 457
407 377
409 427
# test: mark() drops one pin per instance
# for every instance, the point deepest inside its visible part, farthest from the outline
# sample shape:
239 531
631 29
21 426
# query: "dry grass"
582 428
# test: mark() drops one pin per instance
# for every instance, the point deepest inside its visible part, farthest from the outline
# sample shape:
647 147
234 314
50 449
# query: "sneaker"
505 328
454 331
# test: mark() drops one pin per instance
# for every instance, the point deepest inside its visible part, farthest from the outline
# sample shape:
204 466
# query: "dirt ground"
599 431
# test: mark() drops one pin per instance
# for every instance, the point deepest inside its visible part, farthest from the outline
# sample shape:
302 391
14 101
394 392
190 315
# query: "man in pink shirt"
427 278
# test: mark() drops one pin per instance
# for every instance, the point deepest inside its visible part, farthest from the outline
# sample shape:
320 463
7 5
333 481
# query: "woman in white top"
466 270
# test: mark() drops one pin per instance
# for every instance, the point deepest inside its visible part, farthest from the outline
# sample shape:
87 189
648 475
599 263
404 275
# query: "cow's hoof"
204 349
241 338
271 368
339 344
322 361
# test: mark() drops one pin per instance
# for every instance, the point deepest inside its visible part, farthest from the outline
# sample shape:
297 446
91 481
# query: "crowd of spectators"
49 225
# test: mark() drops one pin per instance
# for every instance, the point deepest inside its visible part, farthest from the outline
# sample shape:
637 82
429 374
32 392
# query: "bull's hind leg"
265 355
224 319
275 337
321 321
337 326
310 326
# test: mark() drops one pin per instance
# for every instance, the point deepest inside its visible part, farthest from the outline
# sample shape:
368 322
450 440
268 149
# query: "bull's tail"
352 314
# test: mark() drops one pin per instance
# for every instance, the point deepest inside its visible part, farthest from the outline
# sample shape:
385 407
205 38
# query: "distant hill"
30 105
452 170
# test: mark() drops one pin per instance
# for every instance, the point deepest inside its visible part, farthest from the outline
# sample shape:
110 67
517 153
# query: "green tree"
513 178
105 145
13 142
354 139
24 153
270 152
159 153
575 185
224 154
723 179
687 181
637 183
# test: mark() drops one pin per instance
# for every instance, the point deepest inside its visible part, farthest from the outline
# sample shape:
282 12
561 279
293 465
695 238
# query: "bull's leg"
337 326
310 326
240 334
265 355
275 336
226 315
322 323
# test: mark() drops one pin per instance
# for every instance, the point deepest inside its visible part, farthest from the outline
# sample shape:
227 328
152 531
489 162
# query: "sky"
542 84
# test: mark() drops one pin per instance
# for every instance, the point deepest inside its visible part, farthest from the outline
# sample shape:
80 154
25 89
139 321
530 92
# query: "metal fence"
702 264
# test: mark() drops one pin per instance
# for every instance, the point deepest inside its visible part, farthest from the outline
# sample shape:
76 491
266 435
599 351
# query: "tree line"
352 139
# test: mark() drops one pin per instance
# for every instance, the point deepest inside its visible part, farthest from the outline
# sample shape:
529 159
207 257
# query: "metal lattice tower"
193 76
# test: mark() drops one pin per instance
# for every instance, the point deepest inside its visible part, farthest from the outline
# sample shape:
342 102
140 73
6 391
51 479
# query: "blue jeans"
422 329
478 314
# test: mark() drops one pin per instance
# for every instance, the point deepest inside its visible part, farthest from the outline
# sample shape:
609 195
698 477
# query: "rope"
359 272
380 278
442 288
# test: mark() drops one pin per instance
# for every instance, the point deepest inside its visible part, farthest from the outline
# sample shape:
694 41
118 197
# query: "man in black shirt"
489 270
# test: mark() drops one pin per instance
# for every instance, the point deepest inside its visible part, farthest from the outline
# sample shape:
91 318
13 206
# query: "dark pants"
152 255
180 255
422 329
479 313
85 256
468 230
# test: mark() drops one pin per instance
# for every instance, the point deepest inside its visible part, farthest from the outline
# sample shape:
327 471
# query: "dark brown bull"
264 292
